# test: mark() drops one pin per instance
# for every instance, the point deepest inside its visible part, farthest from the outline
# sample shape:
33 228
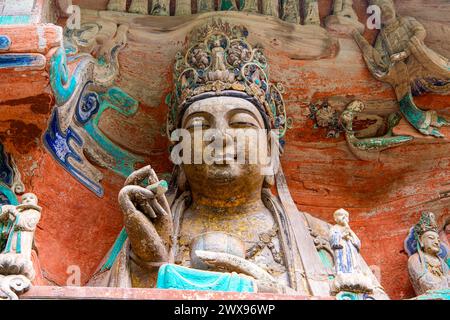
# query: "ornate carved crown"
220 62
426 223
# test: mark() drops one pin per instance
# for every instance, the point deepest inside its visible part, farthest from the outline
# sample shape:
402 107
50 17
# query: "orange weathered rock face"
384 196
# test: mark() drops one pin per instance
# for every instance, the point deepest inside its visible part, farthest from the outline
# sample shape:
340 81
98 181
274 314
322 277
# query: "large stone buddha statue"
217 225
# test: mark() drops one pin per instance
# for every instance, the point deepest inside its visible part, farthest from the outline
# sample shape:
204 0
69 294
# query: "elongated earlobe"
269 181
181 179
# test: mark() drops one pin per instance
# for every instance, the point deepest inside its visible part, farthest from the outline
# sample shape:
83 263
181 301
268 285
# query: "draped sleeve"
356 242
335 238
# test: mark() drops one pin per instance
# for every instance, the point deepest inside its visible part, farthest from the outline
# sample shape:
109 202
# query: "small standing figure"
219 70
312 12
218 56
346 246
160 8
271 8
24 218
139 6
427 270
19 224
250 6
400 58
117 5
344 8
291 11
205 6
344 16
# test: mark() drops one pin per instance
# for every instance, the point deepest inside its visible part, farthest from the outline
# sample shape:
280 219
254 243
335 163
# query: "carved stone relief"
73 137
344 17
366 134
401 59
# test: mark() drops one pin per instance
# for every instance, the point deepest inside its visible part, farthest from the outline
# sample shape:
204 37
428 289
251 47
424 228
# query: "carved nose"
228 145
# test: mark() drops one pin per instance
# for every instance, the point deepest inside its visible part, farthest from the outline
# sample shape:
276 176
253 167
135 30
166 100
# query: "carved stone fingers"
146 241
138 176
234 263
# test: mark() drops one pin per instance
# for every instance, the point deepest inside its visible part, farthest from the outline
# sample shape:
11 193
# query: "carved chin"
434 250
224 173
232 175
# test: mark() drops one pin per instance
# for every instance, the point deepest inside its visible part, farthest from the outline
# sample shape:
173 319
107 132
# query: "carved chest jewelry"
265 240
435 269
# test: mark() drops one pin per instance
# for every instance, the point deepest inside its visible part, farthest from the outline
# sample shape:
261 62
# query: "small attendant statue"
117 5
312 12
346 246
343 17
16 267
139 6
427 269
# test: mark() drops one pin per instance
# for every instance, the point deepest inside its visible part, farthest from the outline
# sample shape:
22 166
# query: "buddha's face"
388 14
223 176
430 242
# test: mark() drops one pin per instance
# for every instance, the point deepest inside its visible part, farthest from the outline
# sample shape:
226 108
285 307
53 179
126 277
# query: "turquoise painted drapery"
172 276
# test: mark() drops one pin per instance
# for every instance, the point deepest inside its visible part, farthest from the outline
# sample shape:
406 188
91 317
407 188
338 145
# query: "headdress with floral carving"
220 62
426 223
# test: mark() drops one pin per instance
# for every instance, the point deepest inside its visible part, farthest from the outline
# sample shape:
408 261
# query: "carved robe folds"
348 262
431 277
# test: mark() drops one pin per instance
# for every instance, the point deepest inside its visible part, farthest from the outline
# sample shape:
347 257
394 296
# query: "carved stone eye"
198 122
243 120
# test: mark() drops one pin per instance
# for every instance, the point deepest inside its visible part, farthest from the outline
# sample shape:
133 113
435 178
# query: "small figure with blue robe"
347 260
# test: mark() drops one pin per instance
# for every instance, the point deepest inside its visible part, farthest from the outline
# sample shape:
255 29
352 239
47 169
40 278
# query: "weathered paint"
7 196
52 292
64 82
418 117
59 145
5 43
171 276
435 295
6 20
117 100
345 295
22 61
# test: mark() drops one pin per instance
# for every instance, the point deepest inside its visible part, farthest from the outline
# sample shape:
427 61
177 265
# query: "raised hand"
8 212
147 216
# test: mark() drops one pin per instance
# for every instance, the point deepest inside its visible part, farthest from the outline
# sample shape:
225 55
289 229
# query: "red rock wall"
384 197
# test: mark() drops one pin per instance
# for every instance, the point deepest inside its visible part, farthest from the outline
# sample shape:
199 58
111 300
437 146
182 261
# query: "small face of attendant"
341 217
430 242
30 199
388 14
230 170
